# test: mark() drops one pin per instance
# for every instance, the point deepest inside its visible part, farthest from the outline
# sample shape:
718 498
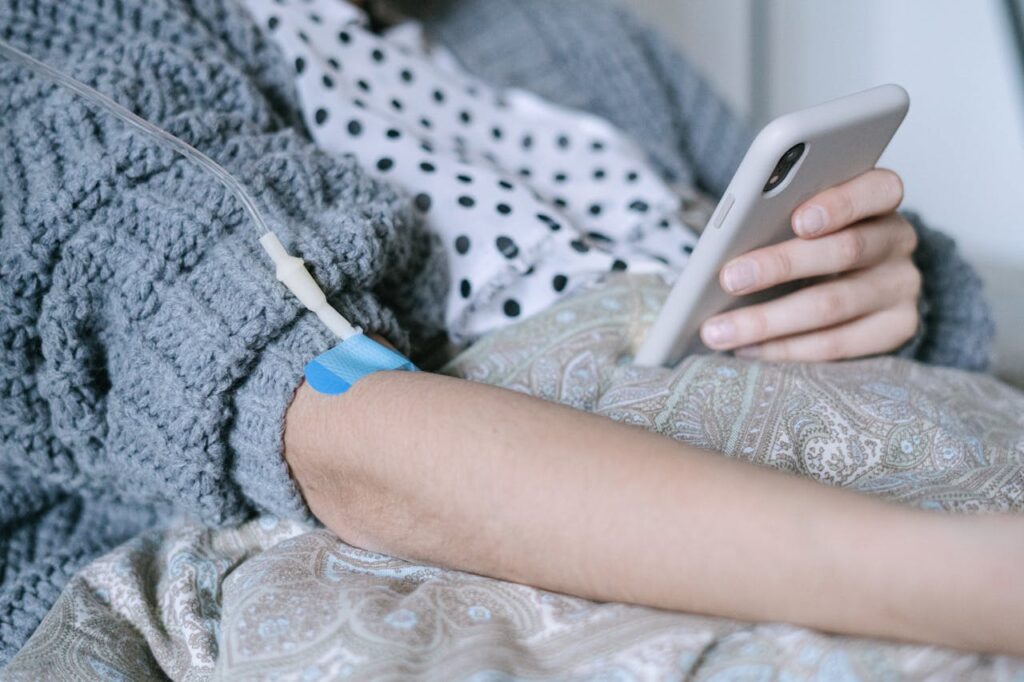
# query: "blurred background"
961 150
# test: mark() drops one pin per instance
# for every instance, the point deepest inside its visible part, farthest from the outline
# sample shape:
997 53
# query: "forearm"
498 483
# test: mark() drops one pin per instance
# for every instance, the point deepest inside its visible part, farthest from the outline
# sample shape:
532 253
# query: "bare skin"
494 482
867 304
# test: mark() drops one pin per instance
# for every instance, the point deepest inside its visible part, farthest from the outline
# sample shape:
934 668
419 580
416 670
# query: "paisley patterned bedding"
276 600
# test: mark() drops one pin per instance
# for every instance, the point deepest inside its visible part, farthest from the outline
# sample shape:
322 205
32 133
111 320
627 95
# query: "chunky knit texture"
148 356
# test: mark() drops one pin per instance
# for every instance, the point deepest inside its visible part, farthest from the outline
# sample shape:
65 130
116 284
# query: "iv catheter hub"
292 272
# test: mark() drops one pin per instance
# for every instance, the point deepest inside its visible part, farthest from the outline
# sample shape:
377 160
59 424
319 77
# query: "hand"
866 304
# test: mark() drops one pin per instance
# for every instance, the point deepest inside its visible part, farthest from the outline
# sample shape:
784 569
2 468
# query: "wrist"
959 585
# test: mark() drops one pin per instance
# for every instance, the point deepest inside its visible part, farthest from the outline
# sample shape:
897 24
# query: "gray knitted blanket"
147 356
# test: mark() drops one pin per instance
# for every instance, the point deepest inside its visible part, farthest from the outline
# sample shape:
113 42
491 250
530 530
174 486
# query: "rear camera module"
785 166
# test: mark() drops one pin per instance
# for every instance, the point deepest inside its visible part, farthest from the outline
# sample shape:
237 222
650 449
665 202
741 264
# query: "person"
152 366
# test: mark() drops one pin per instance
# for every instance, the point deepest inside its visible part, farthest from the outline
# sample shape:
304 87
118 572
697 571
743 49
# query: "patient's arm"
498 483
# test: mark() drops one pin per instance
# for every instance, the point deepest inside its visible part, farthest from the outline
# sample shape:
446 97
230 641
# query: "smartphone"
794 158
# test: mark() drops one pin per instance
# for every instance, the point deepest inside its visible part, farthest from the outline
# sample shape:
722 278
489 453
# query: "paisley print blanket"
277 600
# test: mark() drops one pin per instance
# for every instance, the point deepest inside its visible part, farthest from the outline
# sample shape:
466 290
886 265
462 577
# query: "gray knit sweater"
147 357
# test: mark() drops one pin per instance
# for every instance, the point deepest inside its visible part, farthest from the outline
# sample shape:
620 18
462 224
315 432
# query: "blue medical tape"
335 371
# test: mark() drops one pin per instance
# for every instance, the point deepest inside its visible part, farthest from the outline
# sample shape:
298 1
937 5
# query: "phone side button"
723 210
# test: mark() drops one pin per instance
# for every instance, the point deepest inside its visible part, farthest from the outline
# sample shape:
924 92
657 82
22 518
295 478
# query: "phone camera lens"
784 166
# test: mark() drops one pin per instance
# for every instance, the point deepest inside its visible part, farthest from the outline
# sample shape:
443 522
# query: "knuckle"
906 324
845 206
901 236
902 280
831 305
909 238
758 325
778 351
830 347
914 281
852 246
892 186
779 267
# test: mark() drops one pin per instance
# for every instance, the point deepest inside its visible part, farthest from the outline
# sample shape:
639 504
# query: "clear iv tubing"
291 271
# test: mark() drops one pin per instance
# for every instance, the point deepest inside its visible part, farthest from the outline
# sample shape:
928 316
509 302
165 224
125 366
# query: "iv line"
291 270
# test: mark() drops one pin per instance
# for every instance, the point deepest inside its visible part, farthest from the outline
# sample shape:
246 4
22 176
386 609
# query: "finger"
874 193
860 246
815 307
875 334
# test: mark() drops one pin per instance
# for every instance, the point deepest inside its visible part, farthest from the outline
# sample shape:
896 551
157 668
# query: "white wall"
961 151
714 34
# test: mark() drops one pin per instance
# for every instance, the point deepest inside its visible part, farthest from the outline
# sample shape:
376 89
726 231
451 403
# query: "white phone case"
844 138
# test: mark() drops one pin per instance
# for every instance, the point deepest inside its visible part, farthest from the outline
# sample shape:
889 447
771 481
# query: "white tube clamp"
292 272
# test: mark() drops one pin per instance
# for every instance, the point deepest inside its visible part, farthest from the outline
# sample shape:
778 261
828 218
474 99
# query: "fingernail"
748 353
740 275
719 332
810 221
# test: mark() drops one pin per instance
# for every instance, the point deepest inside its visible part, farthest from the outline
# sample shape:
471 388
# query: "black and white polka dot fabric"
532 201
